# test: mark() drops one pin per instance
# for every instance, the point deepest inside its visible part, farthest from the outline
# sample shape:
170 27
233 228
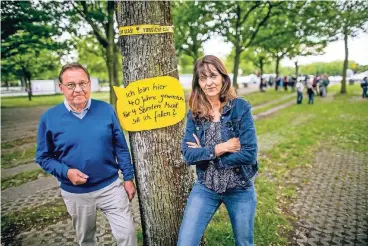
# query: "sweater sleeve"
121 150
45 155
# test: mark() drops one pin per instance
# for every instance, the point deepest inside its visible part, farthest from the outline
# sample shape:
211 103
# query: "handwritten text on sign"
150 103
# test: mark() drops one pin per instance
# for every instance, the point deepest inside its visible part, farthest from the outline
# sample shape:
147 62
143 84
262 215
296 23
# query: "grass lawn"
49 100
18 157
341 123
258 98
272 105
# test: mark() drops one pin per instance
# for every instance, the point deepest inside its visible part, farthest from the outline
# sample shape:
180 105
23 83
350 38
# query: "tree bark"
343 82
163 179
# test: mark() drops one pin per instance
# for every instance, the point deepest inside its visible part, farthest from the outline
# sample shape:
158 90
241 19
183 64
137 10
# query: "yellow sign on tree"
150 103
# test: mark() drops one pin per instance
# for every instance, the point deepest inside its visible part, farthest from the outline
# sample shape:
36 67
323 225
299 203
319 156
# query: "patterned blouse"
218 180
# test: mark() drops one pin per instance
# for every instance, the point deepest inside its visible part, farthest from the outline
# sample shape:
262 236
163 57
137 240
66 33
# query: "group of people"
81 143
316 85
280 82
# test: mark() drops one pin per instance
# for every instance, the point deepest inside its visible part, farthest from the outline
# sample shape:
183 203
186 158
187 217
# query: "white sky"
358 51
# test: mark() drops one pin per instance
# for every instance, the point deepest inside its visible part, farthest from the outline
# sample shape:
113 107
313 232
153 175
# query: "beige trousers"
114 204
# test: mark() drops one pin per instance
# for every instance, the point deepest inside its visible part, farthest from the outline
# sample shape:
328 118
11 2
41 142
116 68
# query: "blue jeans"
202 205
299 98
311 98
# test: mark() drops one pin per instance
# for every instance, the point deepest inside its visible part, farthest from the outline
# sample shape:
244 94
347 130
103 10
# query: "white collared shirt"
82 113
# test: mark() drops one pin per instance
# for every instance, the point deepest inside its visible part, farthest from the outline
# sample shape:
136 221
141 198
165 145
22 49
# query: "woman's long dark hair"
198 102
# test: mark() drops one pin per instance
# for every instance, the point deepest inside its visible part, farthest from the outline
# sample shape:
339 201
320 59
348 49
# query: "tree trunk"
29 88
277 66
236 66
110 52
343 82
163 179
27 80
296 69
261 64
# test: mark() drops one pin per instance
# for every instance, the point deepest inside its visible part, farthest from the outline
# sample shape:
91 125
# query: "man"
299 90
80 142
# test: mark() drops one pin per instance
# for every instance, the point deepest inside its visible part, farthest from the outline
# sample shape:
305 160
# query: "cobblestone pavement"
62 232
332 206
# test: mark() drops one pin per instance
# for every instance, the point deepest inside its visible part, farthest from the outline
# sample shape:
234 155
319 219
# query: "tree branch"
84 14
259 26
248 13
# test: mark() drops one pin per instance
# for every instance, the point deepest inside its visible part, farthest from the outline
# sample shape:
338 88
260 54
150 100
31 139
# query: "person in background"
81 143
325 82
270 81
286 82
292 83
299 91
310 92
220 140
364 85
262 84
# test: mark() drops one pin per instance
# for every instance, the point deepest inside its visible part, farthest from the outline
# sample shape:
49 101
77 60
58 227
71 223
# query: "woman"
220 140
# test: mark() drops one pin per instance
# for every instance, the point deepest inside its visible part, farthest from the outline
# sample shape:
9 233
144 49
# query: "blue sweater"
95 145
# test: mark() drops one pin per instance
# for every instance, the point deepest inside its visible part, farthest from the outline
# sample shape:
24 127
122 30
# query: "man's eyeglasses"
72 86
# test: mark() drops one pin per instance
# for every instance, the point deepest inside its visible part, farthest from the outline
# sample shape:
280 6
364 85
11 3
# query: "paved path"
7 172
292 95
332 207
273 110
28 189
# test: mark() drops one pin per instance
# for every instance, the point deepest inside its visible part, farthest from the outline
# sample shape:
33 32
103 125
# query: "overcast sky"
358 51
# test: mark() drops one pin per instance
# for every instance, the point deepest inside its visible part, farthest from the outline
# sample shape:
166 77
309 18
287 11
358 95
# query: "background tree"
28 31
192 22
99 15
259 57
239 23
163 180
347 19
93 56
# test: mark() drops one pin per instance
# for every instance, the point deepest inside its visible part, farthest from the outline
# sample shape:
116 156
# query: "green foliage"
192 21
92 55
239 23
186 64
28 40
27 26
331 68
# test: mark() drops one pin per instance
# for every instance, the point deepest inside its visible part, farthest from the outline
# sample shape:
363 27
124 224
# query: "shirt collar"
88 105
